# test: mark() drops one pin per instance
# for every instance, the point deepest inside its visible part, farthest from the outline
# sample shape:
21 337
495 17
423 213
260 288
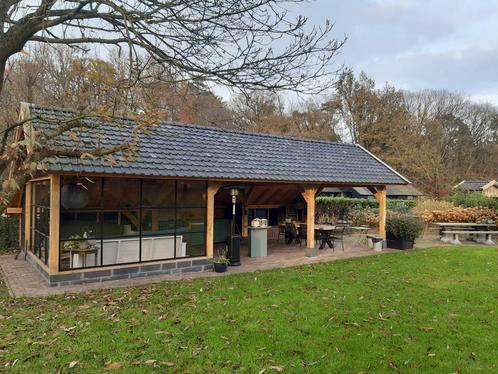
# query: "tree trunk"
2 74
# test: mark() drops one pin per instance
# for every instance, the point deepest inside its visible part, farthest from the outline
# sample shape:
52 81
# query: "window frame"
140 210
33 230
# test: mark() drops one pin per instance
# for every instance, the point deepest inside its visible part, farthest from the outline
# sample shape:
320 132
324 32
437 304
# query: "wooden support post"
309 194
27 217
245 215
53 249
212 189
380 195
245 221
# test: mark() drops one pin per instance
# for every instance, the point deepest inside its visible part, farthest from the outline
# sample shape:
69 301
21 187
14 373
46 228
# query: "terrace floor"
23 280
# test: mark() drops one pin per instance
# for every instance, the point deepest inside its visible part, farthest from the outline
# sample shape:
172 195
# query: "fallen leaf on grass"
427 329
114 365
277 368
44 344
72 364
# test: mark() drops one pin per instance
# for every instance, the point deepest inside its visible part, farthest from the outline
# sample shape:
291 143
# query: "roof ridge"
257 134
201 126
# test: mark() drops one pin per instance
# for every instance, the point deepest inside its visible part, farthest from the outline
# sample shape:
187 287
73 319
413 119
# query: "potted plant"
221 263
75 242
402 231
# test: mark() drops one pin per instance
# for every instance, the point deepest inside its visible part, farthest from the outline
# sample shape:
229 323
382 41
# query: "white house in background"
487 188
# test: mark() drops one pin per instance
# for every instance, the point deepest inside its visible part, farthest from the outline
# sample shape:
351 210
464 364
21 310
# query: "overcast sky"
451 44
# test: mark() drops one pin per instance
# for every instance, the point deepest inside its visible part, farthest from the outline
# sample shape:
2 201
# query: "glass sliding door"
158 220
124 220
40 219
121 221
80 222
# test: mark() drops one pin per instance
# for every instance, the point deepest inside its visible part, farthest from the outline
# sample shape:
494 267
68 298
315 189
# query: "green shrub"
406 228
9 232
342 207
473 200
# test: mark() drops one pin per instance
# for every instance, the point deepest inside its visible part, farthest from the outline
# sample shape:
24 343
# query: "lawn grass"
432 310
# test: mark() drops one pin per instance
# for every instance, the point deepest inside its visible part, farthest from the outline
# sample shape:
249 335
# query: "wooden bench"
455 233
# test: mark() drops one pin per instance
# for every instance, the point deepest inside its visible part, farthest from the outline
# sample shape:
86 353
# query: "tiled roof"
403 190
391 190
475 185
180 150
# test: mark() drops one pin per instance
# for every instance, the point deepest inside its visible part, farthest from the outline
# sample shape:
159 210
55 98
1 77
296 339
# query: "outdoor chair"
290 232
318 237
281 232
303 233
338 236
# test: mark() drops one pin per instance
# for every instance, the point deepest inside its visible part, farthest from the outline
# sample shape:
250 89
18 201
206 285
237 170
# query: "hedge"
340 207
9 232
474 200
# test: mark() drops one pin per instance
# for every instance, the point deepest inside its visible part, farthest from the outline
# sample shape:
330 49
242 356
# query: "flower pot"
400 244
220 267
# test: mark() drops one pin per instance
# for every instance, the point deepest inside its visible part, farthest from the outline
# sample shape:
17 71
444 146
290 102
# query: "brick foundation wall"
133 271
37 266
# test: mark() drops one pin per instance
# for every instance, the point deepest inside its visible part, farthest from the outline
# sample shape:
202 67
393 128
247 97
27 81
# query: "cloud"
418 44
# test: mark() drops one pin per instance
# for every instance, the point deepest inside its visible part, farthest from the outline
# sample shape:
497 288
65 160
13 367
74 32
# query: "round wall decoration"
74 196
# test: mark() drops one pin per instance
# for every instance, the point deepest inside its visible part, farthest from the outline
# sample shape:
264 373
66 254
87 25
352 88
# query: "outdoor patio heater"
234 238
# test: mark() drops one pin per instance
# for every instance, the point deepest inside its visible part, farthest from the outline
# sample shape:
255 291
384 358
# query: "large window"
108 221
40 219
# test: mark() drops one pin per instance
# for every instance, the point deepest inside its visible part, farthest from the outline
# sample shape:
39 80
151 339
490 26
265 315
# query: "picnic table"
325 232
481 232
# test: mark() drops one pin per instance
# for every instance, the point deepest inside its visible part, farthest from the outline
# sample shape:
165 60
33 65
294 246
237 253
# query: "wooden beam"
14 211
212 189
245 221
264 206
270 197
27 216
267 183
289 196
256 193
380 195
53 249
245 216
309 194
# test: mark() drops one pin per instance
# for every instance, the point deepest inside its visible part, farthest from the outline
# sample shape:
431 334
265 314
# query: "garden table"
362 233
465 226
325 232
82 253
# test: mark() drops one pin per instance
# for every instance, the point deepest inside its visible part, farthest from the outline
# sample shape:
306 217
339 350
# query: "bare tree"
244 44
229 42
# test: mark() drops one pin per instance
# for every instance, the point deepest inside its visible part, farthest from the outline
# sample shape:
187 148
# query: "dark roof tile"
474 185
179 150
